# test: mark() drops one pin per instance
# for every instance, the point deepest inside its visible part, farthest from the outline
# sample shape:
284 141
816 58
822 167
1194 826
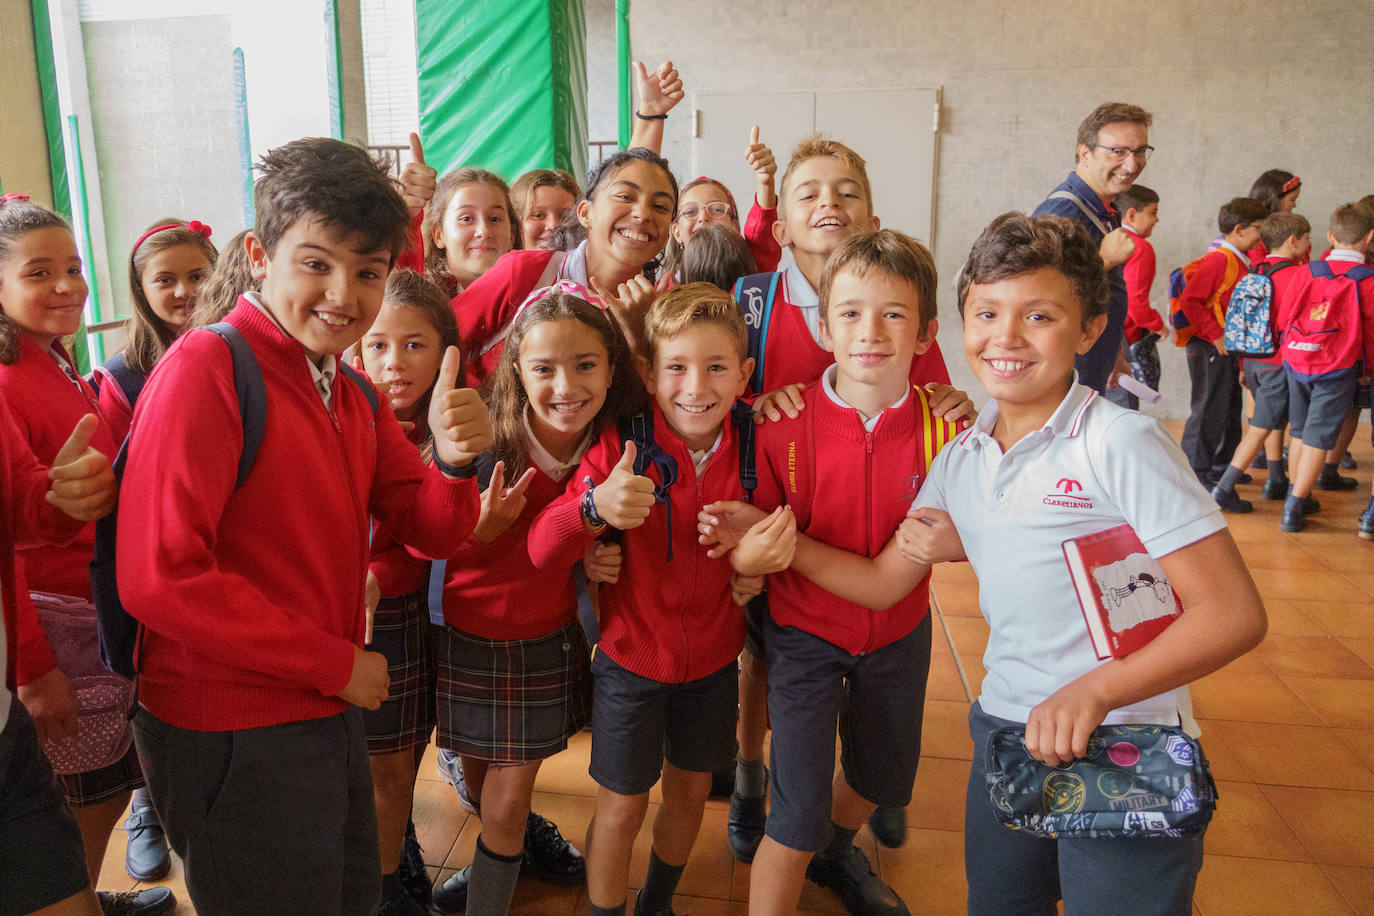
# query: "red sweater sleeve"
413 257
758 232
557 536
1139 274
1198 293
490 302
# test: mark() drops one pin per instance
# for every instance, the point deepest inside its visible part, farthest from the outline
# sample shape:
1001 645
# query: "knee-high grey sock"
1230 477
840 840
751 779
659 886
491 883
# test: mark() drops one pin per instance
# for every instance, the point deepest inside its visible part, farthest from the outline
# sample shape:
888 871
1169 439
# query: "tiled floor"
1289 729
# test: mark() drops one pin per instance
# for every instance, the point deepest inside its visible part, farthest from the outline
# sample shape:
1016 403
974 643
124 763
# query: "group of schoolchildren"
546 481
1264 323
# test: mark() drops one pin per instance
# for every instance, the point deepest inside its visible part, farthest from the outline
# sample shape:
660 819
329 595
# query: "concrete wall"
1235 87
24 152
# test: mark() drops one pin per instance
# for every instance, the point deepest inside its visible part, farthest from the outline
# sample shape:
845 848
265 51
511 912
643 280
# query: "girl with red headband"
166 267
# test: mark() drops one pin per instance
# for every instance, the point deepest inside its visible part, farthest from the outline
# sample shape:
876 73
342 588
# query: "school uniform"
1264 375
1091 467
758 232
849 483
666 681
251 603
1212 431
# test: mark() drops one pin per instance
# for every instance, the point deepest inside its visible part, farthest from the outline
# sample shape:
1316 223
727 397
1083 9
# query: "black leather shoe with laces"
548 855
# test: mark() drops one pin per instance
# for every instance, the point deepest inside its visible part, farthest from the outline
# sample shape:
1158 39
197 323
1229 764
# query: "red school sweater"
1208 292
791 354
671 621
489 305
252 598
45 404
494 590
1139 274
27 519
849 488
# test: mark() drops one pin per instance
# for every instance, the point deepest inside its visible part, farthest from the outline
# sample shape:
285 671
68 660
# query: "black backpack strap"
755 294
366 387
742 416
1270 268
252 394
639 429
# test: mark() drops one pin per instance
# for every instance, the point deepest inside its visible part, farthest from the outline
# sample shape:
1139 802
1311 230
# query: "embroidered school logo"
913 486
753 309
1068 497
1319 311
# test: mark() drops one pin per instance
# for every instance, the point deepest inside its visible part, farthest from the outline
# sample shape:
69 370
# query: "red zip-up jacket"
252 597
848 488
671 621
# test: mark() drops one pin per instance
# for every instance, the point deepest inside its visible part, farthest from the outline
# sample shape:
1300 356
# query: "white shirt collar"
828 386
701 456
323 374
1066 421
1345 254
551 466
1236 251
800 293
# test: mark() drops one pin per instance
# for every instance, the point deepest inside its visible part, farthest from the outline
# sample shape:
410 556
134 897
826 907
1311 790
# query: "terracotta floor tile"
1312 655
1340 702
710 865
1246 824
1290 755
937 799
1361 743
1363 647
1232 886
1274 555
1363 581
974 672
969 634
927 872
1343 618
945 682
1287 619
1249 663
1248 697
566 772
944 730
438 819
1355 558
1223 759
540 898
1302 584
1355 884
1334 824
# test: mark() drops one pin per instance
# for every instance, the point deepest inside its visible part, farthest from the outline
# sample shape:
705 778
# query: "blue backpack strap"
438 569
586 608
755 294
366 387
639 429
129 381
1321 269
252 394
742 416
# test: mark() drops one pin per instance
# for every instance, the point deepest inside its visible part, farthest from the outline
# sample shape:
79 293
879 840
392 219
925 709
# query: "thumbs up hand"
660 91
457 417
417 179
624 498
83 483
761 160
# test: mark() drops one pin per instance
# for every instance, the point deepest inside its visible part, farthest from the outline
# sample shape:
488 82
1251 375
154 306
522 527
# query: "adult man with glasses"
1113 146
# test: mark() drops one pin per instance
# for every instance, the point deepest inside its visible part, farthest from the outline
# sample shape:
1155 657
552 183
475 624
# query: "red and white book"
1125 596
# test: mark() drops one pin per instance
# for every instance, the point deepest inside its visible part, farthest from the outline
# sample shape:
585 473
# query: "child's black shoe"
1229 501
1330 480
852 879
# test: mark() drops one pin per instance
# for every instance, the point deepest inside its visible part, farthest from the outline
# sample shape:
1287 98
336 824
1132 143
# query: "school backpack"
1249 316
119 631
755 294
1325 338
116 370
1178 281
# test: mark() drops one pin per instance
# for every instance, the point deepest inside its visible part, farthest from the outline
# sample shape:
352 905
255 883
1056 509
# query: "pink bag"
104 699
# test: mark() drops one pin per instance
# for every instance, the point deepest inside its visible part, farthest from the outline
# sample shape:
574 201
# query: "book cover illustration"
1124 593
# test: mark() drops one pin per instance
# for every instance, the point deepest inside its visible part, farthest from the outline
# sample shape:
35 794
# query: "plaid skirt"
513 701
401 631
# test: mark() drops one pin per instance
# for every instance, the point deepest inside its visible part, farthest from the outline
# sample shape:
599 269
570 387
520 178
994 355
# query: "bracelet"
459 472
589 506
644 117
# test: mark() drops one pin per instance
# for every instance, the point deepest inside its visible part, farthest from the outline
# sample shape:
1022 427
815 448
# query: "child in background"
665 686
1328 344
1288 239
167 266
1212 432
42 293
718 255
848 630
231 277
401 353
39 839
1139 209
252 605
468 224
514 681
544 200
1033 295
627 212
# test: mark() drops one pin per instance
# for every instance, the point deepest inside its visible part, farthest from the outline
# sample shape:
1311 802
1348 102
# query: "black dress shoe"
1229 501
1348 462
861 891
888 826
411 872
744 829
1275 488
1294 519
1330 480
452 895
548 855
146 857
151 902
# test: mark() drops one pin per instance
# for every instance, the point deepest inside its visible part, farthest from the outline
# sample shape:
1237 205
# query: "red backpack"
1324 339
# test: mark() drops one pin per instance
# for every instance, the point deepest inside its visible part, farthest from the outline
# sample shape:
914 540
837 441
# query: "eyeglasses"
716 210
1119 153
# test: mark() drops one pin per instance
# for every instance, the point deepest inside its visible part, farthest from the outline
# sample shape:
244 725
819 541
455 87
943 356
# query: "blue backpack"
755 294
1249 315
119 631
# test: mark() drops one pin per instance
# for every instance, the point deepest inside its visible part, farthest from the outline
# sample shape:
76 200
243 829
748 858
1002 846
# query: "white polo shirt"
1091 467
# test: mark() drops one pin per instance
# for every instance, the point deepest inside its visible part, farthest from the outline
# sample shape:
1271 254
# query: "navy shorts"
1012 872
1317 409
1268 385
638 722
878 700
40 844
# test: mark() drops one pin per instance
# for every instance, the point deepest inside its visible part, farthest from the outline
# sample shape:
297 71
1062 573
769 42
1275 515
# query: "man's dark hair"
336 183
1136 197
1110 113
1014 244
1239 212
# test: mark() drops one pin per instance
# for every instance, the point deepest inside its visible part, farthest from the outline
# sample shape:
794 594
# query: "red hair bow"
9 197
199 228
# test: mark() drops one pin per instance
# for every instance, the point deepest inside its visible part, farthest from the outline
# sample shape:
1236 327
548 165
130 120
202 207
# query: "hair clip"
199 228
9 197
1291 184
